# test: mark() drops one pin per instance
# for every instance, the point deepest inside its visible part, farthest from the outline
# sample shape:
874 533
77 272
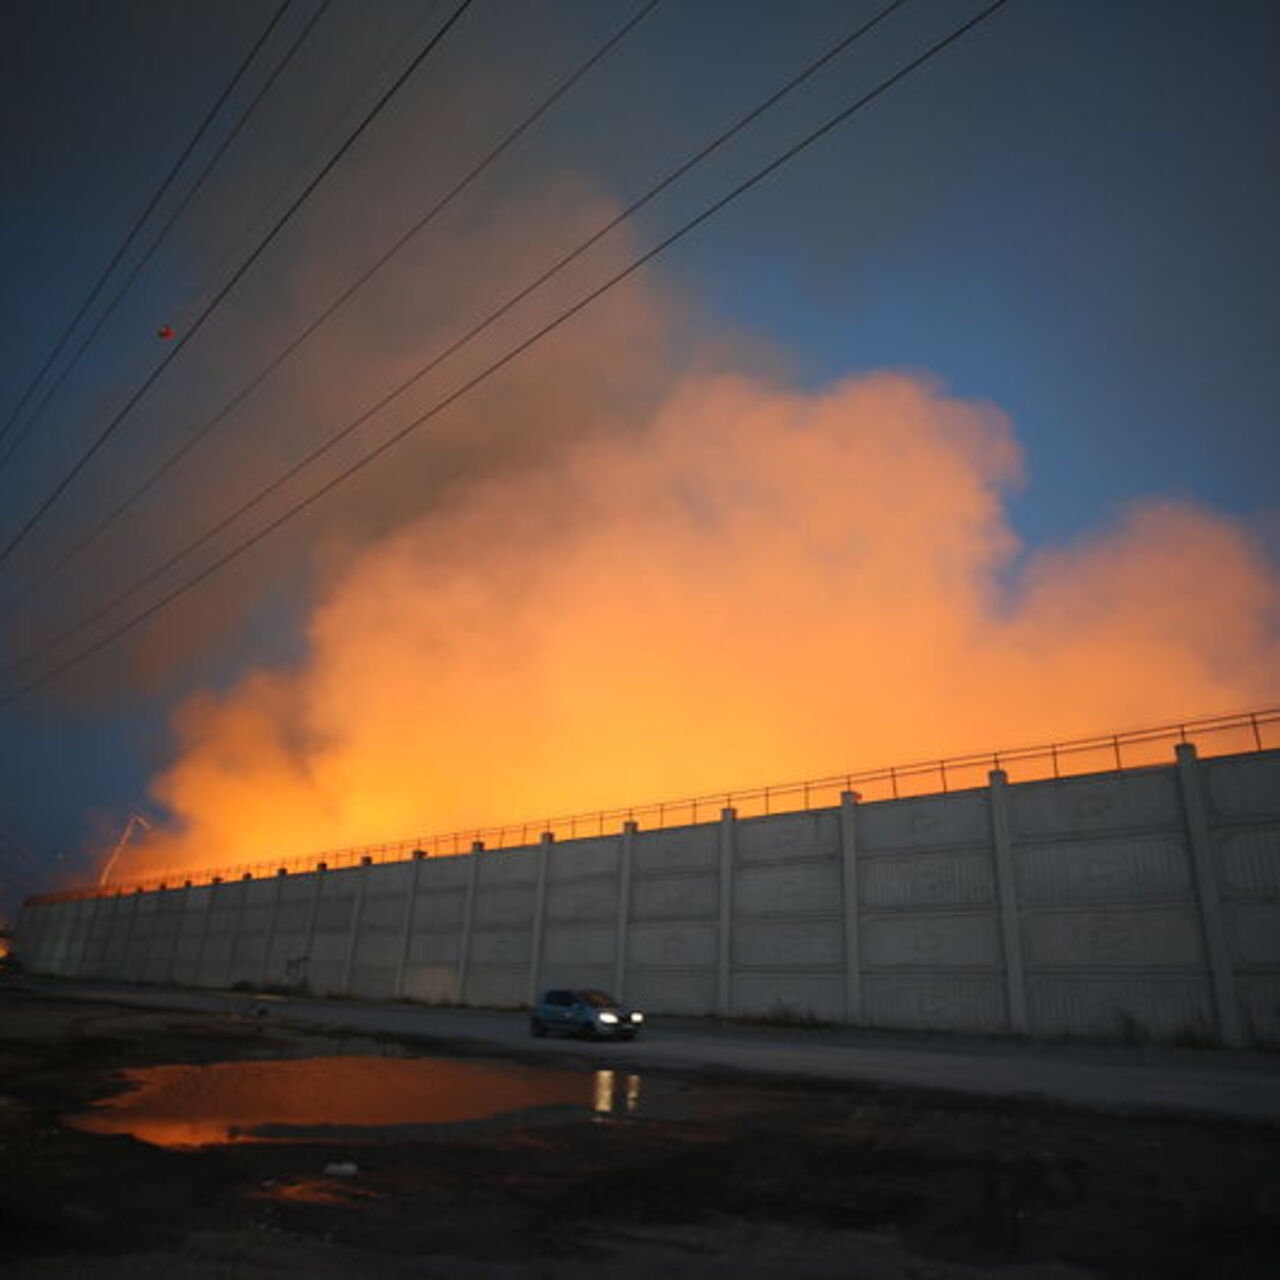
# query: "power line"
635 265
160 236
640 202
142 218
432 213
105 434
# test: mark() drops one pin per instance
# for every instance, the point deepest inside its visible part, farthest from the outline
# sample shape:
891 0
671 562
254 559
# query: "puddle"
352 1099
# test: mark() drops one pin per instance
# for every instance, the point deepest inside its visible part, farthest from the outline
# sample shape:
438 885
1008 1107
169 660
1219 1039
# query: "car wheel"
538 1028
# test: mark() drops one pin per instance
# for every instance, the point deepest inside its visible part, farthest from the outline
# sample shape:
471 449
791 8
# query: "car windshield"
599 999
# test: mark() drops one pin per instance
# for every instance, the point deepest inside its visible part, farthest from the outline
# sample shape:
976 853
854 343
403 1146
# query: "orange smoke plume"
761 585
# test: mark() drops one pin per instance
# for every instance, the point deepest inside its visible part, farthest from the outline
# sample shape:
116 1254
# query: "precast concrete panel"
91 964
1249 858
379 946
581 859
599 977
113 959
326 965
1253 929
925 822
1244 788
433 984
585 900
1143 800
215 961
799 889
1260 1000
164 933
381 911
501 905
926 880
499 988
935 1001
1137 938
248 959
672 945
427 950
569 946
784 944
939 941
811 995
509 867
139 947
689 896
789 837
687 991
387 879
1120 1007
336 909
677 849
437 874
373 981
439 908
1136 869
500 947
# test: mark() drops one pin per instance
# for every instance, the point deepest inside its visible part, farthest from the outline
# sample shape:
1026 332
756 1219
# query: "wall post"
236 930
625 854
131 917
1209 897
724 965
313 916
1007 892
353 939
468 923
406 936
177 934
108 937
88 913
210 903
269 942
539 916
850 902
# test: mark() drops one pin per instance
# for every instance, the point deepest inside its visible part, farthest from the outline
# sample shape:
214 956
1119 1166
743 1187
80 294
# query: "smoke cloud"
760 584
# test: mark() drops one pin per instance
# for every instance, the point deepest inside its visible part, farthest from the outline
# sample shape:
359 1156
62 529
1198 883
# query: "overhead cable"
194 437
178 210
708 212
696 158
105 434
141 219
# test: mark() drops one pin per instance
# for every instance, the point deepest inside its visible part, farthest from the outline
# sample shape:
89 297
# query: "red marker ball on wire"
165 332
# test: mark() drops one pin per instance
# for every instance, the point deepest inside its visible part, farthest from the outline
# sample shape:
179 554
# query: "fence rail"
1213 735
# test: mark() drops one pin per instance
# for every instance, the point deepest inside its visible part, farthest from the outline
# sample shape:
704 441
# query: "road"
1113 1078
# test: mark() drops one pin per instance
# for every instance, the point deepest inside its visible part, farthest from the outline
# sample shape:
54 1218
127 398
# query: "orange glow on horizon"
762 584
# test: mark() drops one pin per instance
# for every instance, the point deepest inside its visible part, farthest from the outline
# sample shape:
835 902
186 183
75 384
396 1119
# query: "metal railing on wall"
1139 748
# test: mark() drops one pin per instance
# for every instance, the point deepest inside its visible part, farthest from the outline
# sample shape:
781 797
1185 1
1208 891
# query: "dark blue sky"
1072 215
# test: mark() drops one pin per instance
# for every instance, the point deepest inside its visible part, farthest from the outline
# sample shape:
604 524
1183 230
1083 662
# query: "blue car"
585 1013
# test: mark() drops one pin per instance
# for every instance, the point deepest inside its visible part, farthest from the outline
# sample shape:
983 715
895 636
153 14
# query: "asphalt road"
1113 1078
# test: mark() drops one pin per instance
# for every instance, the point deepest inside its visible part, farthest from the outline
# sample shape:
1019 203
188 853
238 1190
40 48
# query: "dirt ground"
719 1175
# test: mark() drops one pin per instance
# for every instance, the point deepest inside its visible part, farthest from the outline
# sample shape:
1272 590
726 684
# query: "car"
585 1013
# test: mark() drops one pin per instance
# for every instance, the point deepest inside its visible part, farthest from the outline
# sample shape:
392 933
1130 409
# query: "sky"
956 431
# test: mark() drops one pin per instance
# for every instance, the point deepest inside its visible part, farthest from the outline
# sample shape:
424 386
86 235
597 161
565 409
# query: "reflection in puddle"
307 1099
612 1094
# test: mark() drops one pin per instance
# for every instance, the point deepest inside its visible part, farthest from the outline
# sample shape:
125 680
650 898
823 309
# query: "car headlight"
637 1017
608 1017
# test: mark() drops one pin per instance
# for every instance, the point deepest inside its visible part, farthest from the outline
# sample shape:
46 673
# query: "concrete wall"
1137 903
